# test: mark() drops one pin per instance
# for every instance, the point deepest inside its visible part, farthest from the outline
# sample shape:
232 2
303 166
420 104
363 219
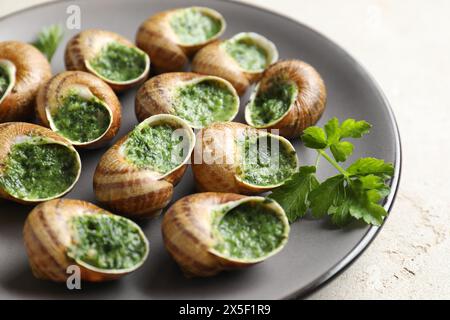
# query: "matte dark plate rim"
373 231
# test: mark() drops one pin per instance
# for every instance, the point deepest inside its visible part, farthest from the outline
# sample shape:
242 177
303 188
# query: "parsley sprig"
48 40
353 193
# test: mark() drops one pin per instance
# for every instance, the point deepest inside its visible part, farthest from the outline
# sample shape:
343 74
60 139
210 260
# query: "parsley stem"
333 162
317 160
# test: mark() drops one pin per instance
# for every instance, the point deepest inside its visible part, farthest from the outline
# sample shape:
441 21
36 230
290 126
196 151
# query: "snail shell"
158 95
139 191
27 69
216 158
215 60
12 133
86 45
156 37
48 235
308 105
188 232
50 96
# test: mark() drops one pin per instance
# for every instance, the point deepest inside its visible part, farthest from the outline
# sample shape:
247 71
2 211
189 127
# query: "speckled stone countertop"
404 45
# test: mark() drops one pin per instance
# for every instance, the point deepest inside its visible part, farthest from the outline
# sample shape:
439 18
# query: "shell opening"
269 104
265 160
80 116
161 143
252 52
196 25
117 63
249 230
107 242
38 169
7 78
206 100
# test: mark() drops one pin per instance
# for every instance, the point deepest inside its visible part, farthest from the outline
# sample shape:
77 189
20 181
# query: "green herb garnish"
48 40
354 193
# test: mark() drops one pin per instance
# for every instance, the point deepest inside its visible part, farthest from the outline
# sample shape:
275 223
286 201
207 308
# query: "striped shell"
214 60
84 46
187 230
156 37
215 160
53 91
30 70
309 104
157 95
48 235
13 132
133 191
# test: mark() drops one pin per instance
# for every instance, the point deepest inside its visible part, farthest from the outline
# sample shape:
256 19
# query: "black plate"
316 252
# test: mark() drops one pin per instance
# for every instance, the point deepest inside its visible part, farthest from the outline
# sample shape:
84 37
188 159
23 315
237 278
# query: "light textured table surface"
406 47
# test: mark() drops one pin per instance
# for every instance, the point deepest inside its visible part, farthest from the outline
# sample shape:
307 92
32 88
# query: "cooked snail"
240 60
172 36
198 99
36 164
62 233
209 232
233 157
291 96
80 107
109 56
136 176
23 68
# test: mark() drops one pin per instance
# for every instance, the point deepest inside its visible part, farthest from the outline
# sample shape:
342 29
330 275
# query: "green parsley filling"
107 242
80 119
249 231
247 53
39 170
156 147
193 26
120 63
205 102
272 103
265 160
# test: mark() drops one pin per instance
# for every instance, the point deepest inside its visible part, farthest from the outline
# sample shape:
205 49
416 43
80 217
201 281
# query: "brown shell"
156 37
48 235
187 233
49 95
156 96
214 60
221 173
32 70
10 131
311 98
133 191
87 44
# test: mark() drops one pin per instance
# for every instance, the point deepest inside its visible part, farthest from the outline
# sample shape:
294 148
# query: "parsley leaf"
48 40
342 150
328 193
354 193
364 166
293 194
314 137
351 128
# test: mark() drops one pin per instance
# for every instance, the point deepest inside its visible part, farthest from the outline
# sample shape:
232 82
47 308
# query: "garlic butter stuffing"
80 119
198 99
155 147
77 233
38 169
107 242
249 231
119 63
228 231
193 25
